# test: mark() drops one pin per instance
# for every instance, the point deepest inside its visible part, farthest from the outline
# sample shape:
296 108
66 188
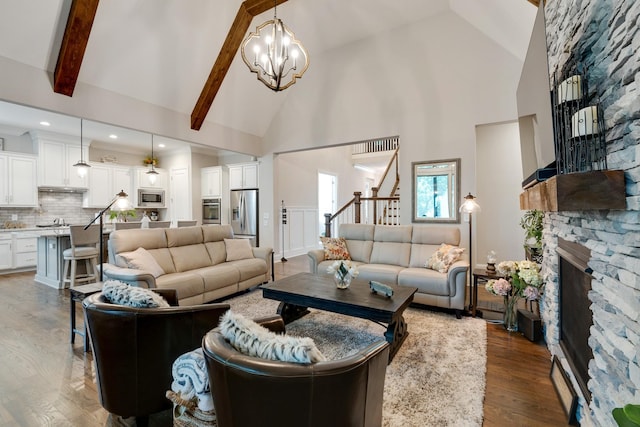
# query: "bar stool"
83 247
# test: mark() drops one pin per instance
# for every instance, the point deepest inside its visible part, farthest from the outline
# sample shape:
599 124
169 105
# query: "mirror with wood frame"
435 195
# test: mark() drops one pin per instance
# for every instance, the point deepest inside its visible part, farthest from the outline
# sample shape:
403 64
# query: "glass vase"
342 282
510 317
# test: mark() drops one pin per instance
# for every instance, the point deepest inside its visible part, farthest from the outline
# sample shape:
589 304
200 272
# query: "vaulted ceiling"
182 55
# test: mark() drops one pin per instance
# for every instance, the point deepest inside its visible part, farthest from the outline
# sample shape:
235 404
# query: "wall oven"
211 211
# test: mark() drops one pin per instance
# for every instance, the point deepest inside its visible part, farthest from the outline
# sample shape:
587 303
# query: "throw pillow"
141 259
250 338
442 259
117 292
335 248
238 249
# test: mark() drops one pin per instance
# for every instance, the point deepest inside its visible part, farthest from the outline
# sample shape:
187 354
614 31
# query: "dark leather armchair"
134 350
249 391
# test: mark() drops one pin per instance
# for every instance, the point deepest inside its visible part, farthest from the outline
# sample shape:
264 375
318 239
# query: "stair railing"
365 210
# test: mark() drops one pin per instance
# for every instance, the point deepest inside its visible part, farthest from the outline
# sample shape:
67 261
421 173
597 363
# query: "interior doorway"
327 197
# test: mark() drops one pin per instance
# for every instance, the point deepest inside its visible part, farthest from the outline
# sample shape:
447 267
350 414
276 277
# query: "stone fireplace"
575 317
604 37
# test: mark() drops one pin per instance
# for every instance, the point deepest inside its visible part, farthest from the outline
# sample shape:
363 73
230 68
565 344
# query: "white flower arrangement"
343 268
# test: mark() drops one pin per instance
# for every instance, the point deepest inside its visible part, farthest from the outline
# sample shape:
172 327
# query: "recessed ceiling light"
161 145
113 136
43 123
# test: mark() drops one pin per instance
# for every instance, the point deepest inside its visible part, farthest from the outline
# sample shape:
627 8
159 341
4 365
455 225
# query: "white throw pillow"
141 259
238 249
249 338
120 293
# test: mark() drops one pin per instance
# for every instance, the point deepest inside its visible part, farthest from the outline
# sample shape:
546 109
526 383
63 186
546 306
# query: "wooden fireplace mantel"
596 190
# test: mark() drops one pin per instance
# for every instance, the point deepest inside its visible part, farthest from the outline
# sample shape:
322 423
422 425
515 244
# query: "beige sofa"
396 255
192 261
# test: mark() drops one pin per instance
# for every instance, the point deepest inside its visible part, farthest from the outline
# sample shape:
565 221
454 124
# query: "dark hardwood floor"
46 381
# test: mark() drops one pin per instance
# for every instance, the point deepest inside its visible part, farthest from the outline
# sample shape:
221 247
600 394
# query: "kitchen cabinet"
17 250
211 182
18 185
25 250
56 164
242 176
141 179
5 252
105 181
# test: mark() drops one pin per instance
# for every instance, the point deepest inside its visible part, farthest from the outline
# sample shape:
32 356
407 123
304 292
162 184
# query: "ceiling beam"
74 44
536 3
247 11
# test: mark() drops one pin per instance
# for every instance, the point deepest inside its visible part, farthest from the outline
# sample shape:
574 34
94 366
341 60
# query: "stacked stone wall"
604 38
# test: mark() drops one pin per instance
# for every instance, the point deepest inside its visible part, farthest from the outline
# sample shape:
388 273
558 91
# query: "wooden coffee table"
303 290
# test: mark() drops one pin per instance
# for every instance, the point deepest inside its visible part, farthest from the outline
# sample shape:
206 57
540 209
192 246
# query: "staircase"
380 210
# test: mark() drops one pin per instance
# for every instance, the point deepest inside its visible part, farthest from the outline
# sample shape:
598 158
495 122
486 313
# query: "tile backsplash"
53 205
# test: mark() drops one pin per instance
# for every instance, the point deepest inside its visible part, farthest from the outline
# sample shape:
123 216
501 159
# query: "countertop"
47 231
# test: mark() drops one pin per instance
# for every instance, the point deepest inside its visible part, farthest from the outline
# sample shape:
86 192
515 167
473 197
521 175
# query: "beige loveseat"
396 255
193 260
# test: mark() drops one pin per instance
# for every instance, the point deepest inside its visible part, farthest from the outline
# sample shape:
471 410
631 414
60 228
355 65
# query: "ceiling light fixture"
276 54
43 123
152 174
81 167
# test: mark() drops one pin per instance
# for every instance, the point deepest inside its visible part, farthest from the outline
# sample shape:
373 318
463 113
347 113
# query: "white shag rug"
437 378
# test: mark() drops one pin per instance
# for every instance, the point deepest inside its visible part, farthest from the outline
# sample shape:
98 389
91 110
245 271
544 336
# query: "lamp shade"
469 205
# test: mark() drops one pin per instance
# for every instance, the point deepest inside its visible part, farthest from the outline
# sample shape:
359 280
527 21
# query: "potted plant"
531 222
122 215
628 416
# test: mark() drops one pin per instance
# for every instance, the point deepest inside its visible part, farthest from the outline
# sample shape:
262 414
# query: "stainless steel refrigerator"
244 215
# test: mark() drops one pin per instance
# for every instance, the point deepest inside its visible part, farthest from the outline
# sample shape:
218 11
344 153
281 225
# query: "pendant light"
81 166
153 173
278 57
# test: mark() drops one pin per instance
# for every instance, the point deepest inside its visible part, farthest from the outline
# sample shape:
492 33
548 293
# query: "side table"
78 293
484 276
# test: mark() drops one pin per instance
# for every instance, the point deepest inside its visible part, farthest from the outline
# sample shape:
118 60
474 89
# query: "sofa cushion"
190 257
254 340
164 258
218 276
183 236
141 259
129 240
359 238
249 268
216 232
187 284
335 248
238 249
385 273
427 281
217 252
442 259
431 235
117 292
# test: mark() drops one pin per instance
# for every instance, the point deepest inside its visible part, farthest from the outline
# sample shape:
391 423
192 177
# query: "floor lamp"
121 198
469 206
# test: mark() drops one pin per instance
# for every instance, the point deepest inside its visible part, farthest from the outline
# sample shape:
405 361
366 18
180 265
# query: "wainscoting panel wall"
301 231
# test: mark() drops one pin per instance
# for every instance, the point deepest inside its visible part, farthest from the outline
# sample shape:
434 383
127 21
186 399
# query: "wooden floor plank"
44 380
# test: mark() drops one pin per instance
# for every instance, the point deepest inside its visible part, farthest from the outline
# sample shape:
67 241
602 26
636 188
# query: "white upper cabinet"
18 180
104 183
56 164
141 179
244 175
211 182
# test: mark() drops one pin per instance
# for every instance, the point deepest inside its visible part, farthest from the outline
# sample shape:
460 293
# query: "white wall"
498 167
431 83
296 182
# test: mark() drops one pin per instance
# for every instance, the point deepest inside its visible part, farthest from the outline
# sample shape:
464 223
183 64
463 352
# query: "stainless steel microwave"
150 198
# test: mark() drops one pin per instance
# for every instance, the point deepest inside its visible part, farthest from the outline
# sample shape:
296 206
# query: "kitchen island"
52 243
